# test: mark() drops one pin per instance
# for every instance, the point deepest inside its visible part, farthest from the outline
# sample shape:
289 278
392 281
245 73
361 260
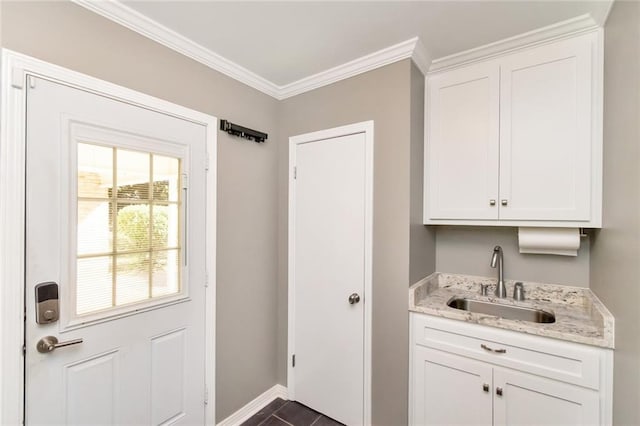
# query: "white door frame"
365 127
15 69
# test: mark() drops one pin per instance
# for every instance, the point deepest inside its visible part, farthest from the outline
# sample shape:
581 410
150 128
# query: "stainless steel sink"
502 311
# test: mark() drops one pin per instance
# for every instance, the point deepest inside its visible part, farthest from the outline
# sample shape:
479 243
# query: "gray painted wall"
382 95
422 239
468 249
68 35
615 266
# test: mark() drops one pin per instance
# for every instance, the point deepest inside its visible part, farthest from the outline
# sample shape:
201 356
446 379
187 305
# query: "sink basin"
502 311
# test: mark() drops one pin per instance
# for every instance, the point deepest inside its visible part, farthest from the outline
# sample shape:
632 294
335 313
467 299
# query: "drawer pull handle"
497 351
485 387
499 391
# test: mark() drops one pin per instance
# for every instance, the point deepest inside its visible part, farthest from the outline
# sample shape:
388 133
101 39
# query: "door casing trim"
15 69
365 127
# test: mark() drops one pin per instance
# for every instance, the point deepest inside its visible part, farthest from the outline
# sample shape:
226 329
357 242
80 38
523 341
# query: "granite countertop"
580 316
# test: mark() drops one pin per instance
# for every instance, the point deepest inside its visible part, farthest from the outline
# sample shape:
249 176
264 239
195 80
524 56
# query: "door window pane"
128 236
166 173
95 171
94 285
94 228
134 227
132 278
166 272
133 175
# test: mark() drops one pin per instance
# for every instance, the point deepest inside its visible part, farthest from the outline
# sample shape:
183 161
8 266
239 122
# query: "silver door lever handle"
50 343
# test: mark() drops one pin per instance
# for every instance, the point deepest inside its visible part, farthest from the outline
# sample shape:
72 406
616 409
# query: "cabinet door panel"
461 153
531 400
545 132
448 389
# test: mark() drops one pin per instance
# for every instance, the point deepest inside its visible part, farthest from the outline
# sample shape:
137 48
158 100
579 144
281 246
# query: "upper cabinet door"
546 132
461 151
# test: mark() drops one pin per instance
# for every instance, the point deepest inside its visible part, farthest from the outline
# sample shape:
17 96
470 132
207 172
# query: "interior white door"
329 264
115 216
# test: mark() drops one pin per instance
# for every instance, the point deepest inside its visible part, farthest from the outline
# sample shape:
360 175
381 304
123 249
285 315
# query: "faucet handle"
484 289
518 291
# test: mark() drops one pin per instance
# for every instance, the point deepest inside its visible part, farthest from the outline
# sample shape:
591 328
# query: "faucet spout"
497 259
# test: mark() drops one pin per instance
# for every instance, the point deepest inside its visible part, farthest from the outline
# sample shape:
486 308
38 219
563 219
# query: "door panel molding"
16 69
366 128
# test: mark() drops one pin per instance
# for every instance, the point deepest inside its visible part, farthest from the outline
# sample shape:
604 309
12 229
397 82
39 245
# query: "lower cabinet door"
449 390
525 399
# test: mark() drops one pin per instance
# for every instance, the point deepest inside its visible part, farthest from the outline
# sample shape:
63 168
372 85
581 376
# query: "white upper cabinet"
516 140
463 117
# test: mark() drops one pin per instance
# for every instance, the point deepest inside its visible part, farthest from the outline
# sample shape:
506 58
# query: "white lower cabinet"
525 399
448 389
467 374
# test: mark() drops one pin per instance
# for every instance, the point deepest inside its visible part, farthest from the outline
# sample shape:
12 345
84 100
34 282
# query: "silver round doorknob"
354 298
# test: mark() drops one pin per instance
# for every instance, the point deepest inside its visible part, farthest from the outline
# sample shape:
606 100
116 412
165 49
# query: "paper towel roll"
560 241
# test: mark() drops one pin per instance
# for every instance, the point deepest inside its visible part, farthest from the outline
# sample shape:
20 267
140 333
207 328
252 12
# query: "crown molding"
135 21
421 57
404 50
573 26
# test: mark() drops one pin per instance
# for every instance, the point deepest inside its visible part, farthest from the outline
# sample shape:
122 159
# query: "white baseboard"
243 414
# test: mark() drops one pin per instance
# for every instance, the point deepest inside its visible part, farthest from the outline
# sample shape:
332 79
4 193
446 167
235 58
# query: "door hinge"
295 173
293 360
24 350
206 395
206 163
206 279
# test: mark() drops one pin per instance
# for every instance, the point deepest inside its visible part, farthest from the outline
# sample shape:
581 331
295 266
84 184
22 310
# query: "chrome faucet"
497 258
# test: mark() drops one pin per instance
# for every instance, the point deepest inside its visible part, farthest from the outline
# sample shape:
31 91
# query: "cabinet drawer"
565 361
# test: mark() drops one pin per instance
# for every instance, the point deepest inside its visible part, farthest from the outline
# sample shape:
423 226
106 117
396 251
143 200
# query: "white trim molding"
412 48
563 29
135 21
16 68
255 405
366 127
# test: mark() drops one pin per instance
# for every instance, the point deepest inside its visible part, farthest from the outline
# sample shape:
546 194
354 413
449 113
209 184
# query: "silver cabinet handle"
50 343
497 351
354 298
492 202
499 391
504 202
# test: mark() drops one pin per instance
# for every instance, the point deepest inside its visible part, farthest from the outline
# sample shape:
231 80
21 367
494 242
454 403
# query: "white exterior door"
461 153
329 256
115 218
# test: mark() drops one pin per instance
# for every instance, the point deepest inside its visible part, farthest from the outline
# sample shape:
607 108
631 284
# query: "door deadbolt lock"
354 298
47 306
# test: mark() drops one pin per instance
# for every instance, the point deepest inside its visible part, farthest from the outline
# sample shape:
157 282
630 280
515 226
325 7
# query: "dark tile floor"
289 413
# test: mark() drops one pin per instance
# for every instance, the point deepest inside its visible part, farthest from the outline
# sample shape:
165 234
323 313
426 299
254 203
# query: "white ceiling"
286 41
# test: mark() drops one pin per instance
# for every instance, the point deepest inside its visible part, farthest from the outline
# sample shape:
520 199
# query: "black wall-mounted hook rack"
243 132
